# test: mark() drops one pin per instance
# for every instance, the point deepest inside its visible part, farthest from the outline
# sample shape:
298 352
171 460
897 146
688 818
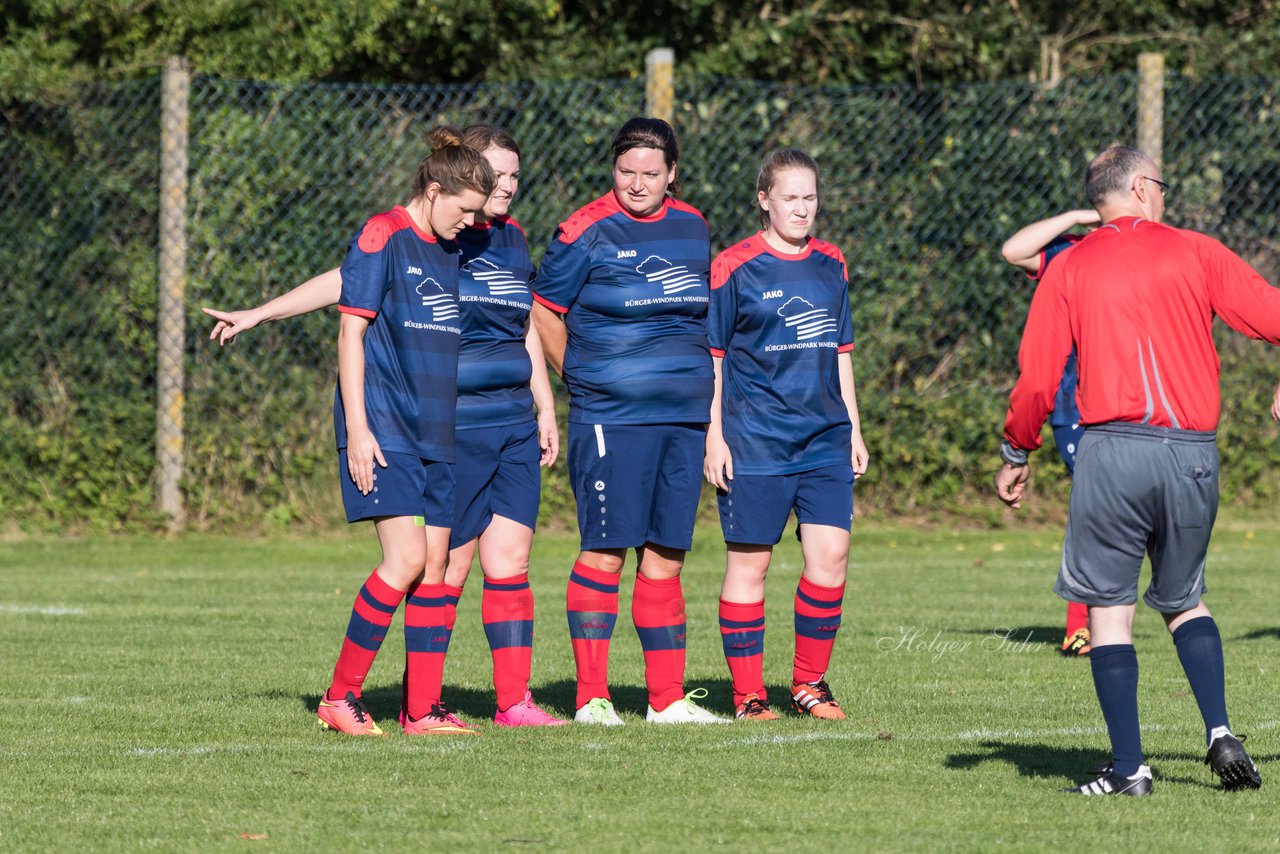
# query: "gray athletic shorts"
1140 489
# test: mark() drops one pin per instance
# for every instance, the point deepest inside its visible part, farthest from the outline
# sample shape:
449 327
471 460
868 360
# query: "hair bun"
444 136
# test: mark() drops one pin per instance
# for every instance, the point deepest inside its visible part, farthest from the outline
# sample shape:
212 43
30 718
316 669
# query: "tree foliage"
45 45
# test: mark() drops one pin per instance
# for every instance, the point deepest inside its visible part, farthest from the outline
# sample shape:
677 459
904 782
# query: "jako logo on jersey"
807 321
626 253
674 277
414 271
443 307
502 283
771 294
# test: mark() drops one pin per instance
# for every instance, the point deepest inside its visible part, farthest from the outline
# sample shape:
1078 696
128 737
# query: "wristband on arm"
1011 455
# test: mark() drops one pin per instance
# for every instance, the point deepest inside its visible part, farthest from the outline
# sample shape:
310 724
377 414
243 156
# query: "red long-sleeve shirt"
1138 300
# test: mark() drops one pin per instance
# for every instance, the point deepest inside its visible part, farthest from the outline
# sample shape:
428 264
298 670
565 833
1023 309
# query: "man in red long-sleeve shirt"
1137 299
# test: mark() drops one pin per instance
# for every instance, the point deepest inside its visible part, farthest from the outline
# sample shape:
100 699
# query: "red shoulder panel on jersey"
377 231
828 249
588 215
1044 256
723 265
359 312
558 309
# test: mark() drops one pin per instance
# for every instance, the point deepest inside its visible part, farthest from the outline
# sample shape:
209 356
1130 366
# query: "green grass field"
159 694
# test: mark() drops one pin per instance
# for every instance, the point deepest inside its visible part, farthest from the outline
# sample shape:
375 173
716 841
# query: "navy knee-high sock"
1200 650
1115 678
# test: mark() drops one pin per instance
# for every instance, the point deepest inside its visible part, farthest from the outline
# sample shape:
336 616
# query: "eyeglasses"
1164 188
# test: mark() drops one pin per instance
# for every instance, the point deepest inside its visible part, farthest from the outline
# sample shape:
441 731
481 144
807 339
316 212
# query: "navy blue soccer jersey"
1065 411
780 321
406 283
493 364
634 294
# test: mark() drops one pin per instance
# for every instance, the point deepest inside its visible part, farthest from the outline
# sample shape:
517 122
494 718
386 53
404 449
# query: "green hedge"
920 187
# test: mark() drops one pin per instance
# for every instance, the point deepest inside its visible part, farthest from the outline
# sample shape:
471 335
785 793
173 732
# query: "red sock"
817 621
742 633
657 609
507 611
374 607
426 641
592 602
1077 617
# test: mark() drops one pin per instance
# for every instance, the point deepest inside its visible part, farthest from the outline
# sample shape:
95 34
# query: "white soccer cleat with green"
685 711
599 712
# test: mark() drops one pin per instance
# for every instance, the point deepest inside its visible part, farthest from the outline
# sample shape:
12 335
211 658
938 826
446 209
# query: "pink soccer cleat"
439 721
347 715
526 713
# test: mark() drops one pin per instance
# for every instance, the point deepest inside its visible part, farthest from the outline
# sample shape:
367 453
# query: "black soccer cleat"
1111 783
1232 765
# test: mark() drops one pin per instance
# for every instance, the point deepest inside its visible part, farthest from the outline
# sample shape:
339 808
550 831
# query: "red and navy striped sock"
452 595
742 633
657 609
592 601
507 611
426 641
370 617
817 621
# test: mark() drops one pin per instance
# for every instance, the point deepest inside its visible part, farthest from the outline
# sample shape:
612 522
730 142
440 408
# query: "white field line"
967 735
440 746
43 610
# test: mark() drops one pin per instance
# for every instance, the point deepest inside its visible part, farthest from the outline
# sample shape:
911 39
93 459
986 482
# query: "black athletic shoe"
1100 770
1113 784
1232 765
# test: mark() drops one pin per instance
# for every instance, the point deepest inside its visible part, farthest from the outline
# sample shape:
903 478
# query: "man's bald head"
1122 182
1111 174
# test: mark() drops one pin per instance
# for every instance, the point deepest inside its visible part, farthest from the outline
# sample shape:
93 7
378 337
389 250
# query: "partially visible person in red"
1137 300
1032 249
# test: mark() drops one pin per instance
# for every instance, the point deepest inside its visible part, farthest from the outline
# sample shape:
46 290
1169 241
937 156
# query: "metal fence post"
659 84
171 319
1151 106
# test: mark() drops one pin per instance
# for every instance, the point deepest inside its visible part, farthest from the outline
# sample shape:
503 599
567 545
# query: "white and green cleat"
598 711
685 711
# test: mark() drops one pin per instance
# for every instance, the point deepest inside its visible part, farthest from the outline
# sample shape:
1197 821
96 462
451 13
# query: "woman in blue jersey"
620 303
397 356
501 445
784 432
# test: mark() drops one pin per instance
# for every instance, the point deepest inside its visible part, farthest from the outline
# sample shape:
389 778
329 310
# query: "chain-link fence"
920 187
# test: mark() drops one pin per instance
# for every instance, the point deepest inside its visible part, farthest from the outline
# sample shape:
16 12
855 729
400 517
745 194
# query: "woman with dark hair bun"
397 367
414 245
620 304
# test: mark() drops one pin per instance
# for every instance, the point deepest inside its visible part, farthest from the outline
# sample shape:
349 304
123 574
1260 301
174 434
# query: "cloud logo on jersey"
673 277
501 282
443 306
807 321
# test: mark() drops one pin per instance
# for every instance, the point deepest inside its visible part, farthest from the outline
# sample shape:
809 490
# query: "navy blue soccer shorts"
497 475
636 483
408 486
756 507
